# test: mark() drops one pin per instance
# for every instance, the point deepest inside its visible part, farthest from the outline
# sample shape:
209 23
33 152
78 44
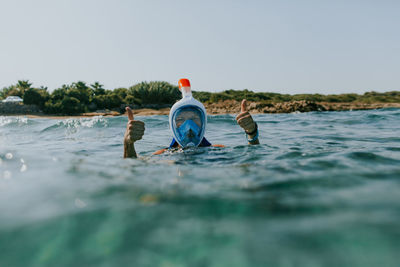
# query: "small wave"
384 174
333 143
290 155
324 165
369 157
154 121
97 121
5 120
74 124
393 148
220 118
376 117
338 138
352 122
267 121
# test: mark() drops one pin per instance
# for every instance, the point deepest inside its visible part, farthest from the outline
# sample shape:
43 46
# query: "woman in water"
187 120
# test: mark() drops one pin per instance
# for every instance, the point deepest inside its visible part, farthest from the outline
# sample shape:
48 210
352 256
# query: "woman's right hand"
134 129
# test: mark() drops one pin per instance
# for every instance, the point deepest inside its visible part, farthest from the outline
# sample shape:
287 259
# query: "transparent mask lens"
188 114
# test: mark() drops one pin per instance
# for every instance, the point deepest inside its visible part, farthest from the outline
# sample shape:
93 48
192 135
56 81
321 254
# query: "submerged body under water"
322 189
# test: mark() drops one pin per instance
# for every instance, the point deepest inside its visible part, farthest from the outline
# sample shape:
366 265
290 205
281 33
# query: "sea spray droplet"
9 156
85 122
4 121
23 168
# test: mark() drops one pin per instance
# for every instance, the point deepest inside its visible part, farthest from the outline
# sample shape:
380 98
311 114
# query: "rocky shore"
356 106
231 106
223 107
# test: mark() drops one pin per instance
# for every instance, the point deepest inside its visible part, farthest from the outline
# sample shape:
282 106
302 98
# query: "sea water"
322 189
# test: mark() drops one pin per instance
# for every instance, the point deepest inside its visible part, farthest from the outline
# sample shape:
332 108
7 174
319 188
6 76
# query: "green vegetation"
159 93
238 95
79 97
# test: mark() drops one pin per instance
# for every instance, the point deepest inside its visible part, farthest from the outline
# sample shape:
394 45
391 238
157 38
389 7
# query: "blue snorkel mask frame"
189 133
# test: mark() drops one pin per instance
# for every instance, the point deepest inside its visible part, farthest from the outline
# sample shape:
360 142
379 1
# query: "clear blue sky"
280 46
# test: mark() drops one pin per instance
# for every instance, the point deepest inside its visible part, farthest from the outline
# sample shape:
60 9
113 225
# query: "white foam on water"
84 122
6 120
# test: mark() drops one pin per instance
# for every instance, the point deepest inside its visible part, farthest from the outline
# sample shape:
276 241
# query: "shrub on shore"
154 93
35 96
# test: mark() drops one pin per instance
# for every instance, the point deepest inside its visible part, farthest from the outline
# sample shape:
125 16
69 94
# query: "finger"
244 118
243 123
130 113
141 123
241 115
138 126
136 123
246 121
243 106
137 135
137 130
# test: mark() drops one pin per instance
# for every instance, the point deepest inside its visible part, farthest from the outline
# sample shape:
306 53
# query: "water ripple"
320 184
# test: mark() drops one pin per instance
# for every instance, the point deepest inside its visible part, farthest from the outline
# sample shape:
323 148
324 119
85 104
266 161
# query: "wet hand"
244 119
134 129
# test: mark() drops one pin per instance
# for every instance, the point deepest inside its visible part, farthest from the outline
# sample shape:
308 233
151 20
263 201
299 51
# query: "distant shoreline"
156 97
233 107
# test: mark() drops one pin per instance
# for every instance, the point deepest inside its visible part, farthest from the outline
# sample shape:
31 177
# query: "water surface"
322 189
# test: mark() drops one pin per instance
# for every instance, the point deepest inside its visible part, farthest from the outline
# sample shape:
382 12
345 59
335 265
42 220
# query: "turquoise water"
323 189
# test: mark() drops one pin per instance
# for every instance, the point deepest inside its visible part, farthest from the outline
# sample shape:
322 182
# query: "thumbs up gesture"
134 129
245 120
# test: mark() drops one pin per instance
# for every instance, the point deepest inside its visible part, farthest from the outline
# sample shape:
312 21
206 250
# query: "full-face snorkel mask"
187 118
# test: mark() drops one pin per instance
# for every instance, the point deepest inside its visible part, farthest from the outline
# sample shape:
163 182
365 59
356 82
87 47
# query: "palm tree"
98 88
23 84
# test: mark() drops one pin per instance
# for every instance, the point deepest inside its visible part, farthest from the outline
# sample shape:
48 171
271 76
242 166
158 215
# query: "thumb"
130 113
243 106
